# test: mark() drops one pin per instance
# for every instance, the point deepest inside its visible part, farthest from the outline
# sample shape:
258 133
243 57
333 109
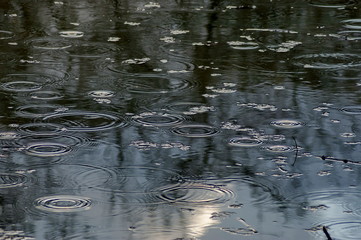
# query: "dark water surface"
180 119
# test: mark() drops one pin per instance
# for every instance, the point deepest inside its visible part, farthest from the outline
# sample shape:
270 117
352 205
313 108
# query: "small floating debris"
178 32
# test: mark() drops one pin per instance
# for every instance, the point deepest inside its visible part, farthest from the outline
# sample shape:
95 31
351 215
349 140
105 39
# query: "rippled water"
180 119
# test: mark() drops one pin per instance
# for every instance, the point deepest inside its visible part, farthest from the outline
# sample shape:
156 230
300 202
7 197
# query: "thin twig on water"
296 147
324 229
323 157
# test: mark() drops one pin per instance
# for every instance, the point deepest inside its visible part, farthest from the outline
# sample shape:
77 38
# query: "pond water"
180 119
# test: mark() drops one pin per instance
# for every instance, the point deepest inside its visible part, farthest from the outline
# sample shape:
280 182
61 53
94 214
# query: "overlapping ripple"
41 128
63 203
49 43
244 142
195 130
328 61
92 50
286 123
158 119
45 145
194 193
38 110
354 110
10 180
138 184
157 84
86 121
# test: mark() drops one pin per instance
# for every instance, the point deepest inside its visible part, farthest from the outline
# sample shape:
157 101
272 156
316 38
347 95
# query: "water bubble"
239 45
86 121
244 142
63 203
324 173
195 130
348 135
279 148
71 34
158 119
101 93
286 123
8 135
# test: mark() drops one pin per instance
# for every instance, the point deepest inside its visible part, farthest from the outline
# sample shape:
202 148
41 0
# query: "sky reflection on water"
180 119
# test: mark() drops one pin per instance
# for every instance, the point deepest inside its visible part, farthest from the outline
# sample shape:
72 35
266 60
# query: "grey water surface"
180 119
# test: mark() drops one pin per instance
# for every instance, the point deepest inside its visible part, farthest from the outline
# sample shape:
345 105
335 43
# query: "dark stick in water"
324 229
294 139
339 160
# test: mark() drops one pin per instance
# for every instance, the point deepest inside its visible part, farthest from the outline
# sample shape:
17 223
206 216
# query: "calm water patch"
332 3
